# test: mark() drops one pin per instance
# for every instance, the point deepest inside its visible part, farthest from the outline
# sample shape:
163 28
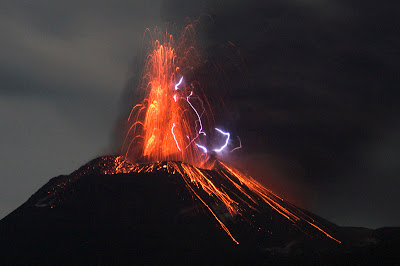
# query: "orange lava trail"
252 195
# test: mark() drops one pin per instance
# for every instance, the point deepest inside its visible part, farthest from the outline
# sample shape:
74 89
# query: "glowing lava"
167 123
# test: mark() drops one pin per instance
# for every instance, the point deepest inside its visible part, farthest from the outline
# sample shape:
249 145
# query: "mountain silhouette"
94 216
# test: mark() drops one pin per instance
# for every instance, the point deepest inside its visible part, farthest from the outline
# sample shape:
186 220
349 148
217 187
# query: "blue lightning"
228 135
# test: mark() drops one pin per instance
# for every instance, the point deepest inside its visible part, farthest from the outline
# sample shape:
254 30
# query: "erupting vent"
171 124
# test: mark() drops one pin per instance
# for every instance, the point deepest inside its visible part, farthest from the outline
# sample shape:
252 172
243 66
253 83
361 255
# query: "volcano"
170 198
110 211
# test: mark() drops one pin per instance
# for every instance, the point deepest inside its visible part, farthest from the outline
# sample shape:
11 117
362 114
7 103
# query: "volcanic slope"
153 214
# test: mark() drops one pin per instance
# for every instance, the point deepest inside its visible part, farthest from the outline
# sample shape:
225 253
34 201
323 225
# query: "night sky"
311 87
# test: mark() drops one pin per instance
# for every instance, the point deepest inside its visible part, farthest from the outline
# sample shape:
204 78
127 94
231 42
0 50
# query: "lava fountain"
169 124
168 130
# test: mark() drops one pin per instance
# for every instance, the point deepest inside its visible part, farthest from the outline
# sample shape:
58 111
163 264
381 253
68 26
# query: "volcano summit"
112 211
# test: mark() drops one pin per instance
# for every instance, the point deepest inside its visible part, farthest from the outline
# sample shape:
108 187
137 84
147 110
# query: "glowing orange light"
161 127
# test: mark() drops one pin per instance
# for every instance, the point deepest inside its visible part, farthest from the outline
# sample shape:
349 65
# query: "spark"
175 97
202 147
227 134
172 131
240 145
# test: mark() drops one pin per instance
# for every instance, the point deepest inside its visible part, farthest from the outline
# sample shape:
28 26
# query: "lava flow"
168 131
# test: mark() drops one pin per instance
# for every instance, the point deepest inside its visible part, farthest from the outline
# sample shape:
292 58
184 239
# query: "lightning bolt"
240 145
172 131
228 135
197 114
179 83
202 147
176 87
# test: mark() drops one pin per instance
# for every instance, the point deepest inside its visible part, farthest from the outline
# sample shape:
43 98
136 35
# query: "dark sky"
311 86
